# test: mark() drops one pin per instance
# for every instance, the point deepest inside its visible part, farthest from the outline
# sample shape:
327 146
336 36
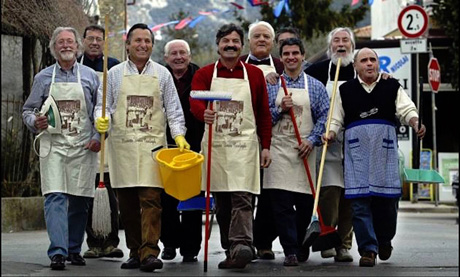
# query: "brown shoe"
385 251
265 254
243 256
367 259
151 263
225 264
291 260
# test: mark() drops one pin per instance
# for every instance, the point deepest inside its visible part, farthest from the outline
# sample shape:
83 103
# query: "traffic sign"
413 21
415 45
434 74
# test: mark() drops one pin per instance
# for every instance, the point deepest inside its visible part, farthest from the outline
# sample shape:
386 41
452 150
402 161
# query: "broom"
101 222
312 233
328 237
211 97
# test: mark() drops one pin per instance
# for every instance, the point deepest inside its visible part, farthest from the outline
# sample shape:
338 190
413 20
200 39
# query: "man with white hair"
261 36
335 209
176 231
68 172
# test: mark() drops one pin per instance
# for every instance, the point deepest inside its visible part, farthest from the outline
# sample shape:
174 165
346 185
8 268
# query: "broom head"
313 231
327 239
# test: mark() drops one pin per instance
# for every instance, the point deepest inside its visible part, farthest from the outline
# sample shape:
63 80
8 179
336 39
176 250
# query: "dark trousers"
374 221
140 213
180 230
292 212
264 227
112 239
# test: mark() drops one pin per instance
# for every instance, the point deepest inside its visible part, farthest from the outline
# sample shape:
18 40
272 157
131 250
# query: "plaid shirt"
319 103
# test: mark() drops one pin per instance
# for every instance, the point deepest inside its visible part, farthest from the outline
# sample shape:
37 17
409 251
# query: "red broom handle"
299 140
208 192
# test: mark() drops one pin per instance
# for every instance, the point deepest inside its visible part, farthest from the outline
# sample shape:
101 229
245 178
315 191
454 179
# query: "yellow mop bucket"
180 172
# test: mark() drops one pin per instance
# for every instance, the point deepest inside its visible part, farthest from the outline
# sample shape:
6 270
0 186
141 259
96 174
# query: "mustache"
230 48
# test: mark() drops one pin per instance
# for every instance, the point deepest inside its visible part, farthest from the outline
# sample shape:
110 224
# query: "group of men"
259 166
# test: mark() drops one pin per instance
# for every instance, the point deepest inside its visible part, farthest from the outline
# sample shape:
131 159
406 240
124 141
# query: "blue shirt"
319 103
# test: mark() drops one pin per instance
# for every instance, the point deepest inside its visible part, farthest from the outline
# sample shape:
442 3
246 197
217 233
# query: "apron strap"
54 73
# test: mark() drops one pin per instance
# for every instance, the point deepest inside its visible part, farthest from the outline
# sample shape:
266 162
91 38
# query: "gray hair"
168 45
331 35
59 30
261 23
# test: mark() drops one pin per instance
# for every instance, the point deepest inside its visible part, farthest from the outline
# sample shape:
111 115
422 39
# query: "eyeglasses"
98 39
369 113
63 41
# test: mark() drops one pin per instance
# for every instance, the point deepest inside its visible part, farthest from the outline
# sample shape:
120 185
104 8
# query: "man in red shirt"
236 159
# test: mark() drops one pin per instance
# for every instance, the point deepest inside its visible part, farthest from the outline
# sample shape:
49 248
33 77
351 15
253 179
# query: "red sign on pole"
434 74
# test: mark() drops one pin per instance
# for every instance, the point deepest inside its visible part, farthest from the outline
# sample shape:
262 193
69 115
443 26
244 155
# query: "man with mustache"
181 231
366 106
69 170
261 36
93 40
141 85
335 209
235 155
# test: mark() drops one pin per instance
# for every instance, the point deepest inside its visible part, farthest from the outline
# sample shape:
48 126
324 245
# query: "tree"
445 13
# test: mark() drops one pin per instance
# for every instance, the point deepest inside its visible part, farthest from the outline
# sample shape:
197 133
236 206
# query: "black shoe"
76 259
151 263
57 262
385 251
131 263
303 255
189 259
169 253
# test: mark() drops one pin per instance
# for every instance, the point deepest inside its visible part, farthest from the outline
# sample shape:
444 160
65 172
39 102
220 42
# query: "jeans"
374 221
65 217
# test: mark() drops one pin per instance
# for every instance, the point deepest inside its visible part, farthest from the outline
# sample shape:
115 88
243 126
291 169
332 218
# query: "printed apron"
333 165
235 162
287 171
266 69
69 168
138 126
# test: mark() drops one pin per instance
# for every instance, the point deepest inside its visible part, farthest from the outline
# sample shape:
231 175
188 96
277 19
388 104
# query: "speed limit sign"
413 21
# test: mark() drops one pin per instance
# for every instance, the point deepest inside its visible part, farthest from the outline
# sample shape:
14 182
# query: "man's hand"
181 143
272 78
413 122
93 145
265 159
102 124
286 102
305 149
386 76
41 122
329 137
209 116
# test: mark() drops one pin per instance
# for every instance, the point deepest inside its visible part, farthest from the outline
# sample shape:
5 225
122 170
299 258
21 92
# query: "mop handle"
208 192
328 126
104 94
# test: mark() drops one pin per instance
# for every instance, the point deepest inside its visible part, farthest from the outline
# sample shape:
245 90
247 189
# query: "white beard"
67 56
348 59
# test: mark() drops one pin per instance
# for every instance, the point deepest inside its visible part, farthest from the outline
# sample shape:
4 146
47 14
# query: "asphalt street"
426 244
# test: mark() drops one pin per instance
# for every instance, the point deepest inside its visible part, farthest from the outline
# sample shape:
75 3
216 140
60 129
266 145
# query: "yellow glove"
181 143
102 124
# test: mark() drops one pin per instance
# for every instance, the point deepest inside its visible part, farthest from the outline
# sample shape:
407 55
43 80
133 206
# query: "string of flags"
191 22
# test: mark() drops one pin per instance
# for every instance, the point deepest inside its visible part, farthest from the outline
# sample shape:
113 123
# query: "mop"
210 96
328 237
101 206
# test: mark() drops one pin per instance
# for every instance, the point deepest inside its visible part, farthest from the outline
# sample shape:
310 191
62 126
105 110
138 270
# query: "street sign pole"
435 148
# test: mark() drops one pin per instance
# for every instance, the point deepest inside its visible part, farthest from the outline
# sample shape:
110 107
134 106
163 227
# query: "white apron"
138 126
266 69
69 168
287 171
235 148
333 166
106 158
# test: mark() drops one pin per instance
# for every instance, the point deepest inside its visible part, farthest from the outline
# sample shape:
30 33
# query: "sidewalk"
426 207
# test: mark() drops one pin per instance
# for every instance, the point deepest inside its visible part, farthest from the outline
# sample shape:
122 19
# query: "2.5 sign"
413 21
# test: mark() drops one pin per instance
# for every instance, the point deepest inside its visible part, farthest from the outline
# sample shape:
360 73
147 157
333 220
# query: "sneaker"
328 253
242 257
385 251
291 260
92 252
343 256
367 259
265 254
112 252
169 253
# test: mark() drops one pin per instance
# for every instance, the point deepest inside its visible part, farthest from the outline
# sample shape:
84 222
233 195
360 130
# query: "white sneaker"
343 256
328 253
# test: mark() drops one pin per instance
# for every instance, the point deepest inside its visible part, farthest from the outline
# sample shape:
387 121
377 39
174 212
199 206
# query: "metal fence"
19 165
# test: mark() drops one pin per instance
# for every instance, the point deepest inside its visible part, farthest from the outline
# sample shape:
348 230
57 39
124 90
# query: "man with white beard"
335 209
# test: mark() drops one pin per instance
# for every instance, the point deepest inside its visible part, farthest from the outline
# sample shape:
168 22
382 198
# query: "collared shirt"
98 63
168 92
405 108
254 60
41 88
319 103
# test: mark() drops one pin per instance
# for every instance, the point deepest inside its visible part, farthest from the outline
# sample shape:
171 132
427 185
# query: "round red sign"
434 74
413 21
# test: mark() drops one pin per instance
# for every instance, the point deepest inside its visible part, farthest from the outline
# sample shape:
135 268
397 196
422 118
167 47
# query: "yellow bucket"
180 172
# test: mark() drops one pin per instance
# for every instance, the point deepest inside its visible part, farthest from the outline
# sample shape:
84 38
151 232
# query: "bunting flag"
257 2
354 2
183 23
159 26
237 5
195 21
283 4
